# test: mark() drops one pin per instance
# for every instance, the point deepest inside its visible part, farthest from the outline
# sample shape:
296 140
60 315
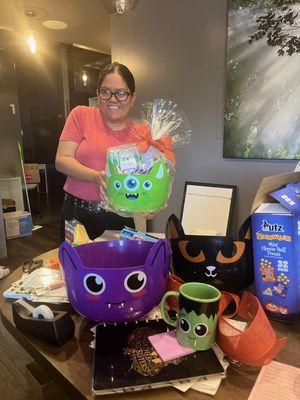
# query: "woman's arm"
66 163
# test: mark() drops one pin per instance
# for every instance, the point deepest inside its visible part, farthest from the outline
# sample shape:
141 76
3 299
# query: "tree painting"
262 105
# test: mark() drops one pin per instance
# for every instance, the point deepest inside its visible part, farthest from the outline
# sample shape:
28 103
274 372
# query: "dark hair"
122 70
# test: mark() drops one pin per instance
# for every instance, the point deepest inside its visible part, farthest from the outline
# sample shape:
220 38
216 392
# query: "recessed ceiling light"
30 13
52 24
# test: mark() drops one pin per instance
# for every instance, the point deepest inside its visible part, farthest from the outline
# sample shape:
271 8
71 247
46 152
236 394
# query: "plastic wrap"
140 175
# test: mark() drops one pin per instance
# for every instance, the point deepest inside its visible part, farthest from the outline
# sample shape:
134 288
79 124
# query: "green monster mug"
196 323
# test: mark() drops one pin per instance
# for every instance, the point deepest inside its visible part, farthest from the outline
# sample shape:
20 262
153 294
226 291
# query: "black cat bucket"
220 261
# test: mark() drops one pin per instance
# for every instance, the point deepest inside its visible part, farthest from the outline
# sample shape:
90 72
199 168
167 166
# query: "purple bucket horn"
115 281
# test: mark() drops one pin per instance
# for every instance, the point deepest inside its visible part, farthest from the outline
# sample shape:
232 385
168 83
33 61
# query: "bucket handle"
161 244
66 249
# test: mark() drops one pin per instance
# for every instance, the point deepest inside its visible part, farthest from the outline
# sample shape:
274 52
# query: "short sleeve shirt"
86 127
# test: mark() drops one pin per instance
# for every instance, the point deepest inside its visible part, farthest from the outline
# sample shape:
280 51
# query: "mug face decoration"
138 192
198 330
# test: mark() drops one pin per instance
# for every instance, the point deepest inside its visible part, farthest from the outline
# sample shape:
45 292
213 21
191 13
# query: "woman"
81 153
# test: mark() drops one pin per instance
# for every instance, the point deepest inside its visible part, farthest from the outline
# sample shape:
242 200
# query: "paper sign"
277 381
167 346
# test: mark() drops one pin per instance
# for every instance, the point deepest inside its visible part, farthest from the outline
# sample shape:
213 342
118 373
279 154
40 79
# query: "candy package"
140 175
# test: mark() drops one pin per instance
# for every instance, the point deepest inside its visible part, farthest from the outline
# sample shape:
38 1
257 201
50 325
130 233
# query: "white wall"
176 49
10 129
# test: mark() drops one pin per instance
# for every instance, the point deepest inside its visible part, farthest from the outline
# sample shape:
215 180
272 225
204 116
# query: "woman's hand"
100 179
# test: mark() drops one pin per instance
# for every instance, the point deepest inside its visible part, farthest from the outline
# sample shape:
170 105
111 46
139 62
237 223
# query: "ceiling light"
53 24
31 44
84 78
120 6
30 13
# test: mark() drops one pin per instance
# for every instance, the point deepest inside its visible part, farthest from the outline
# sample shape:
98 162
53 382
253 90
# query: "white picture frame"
11 188
207 208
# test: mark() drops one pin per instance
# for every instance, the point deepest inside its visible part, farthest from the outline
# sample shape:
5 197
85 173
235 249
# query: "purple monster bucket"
115 281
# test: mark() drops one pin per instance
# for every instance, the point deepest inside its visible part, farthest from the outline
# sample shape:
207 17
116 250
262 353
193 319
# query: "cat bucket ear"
174 229
159 170
245 230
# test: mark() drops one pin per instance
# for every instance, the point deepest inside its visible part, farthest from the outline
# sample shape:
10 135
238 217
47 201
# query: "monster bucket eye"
147 185
94 284
131 183
117 185
135 281
200 330
184 325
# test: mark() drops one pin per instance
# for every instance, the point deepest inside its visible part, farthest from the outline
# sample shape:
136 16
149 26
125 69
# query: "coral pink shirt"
86 127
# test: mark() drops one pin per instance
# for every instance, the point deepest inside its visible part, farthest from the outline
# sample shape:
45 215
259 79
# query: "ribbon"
163 144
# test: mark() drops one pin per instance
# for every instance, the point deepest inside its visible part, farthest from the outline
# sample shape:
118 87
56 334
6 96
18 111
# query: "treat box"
17 224
276 246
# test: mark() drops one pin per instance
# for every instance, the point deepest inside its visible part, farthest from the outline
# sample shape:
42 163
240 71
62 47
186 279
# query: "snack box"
17 224
276 246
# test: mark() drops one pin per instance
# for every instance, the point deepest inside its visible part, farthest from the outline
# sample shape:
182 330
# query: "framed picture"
262 102
207 208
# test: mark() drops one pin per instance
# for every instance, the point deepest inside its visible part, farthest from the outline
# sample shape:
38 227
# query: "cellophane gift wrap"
140 175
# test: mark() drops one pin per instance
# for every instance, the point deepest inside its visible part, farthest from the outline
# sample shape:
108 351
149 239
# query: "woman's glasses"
120 94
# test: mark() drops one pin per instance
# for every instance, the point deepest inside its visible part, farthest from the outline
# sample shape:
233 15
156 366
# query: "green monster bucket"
138 192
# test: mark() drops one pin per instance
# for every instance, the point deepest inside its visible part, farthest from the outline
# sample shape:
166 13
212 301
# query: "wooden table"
71 365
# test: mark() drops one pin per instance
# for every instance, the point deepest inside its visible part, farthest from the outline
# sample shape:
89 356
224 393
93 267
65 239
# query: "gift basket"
140 175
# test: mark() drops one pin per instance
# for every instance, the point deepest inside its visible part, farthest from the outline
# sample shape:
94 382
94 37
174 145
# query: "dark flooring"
27 247
45 208
13 358
45 211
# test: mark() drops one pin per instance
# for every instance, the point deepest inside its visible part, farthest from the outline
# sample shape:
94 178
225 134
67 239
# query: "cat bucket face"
138 192
220 261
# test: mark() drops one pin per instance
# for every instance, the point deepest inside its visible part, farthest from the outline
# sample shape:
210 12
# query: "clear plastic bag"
140 176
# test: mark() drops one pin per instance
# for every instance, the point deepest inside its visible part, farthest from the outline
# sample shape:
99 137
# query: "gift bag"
257 345
140 175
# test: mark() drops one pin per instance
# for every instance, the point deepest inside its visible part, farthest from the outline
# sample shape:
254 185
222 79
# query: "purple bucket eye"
135 281
94 284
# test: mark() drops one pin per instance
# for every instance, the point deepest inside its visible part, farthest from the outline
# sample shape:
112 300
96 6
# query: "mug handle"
164 313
